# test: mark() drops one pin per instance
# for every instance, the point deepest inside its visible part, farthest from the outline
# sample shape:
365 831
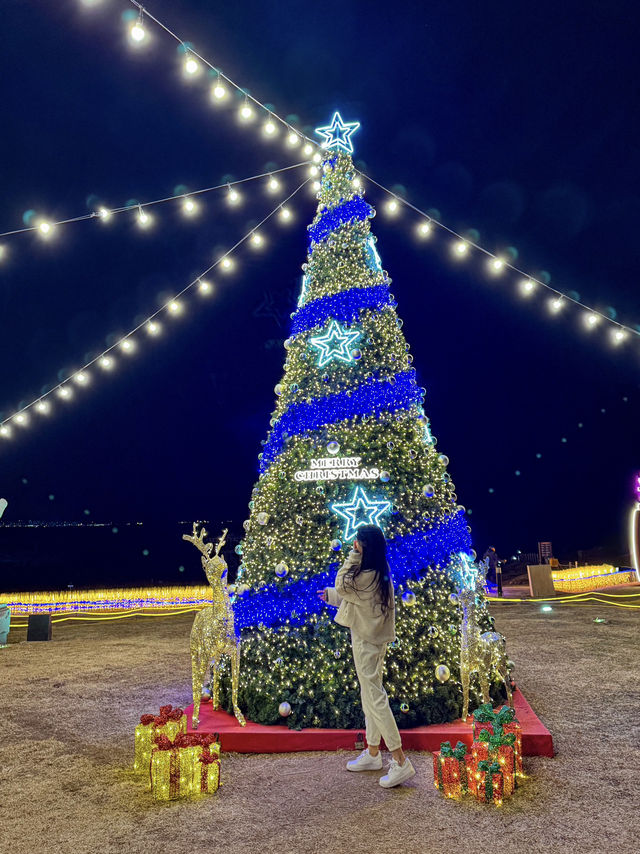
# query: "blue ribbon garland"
345 307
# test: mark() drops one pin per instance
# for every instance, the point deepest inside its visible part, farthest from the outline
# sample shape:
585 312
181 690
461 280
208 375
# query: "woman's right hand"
323 594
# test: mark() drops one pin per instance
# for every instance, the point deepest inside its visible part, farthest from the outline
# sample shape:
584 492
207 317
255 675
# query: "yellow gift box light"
170 723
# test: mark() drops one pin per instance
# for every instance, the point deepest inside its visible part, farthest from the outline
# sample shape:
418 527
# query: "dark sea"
34 556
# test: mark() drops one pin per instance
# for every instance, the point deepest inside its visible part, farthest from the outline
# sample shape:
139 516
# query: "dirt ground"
69 709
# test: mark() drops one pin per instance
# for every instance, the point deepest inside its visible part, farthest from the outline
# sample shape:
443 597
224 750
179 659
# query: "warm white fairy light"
315 186
175 307
317 157
273 185
5 431
357 182
106 363
496 266
65 392
152 328
43 407
22 419
191 65
82 378
137 32
3 252
460 248
45 228
256 240
556 304
189 206
144 219
246 112
205 287
618 336
285 214
423 229
127 345
104 214
392 207
218 91
307 149
293 139
269 128
591 320
527 287
233 196
226 264
313 171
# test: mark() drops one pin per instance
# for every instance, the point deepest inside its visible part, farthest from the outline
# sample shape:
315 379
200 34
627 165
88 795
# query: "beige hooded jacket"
359 609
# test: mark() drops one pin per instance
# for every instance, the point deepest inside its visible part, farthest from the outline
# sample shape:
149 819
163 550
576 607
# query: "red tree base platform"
256 738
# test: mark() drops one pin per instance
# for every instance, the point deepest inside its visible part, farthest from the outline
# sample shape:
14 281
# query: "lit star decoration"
335 344
361 510
338 134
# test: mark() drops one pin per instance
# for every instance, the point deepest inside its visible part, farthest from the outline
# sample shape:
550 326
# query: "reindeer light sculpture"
213 634
479 653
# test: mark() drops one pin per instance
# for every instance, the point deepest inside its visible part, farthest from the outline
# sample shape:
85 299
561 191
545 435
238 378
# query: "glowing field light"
273 185
43 407
256 240
527 287
460 248
546 608
424 229
392 207
174 307
618 336
127 345
65 392
218 91
591 320
189 206
153 328
555 304
205 287
81 378
285 214
106 363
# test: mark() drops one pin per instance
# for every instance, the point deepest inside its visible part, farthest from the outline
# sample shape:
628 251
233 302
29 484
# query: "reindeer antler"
221 541
198 540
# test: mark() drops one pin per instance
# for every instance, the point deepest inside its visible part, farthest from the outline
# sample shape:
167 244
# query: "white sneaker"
365 762
397 774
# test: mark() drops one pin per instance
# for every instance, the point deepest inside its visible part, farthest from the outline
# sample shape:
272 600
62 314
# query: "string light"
106 363
392 207
81 378
256 240
233 196
189 206
591 320
226 264
273 185
619 335
191 65
293 139
205 287
137 32
246 112
153 327
43 407
3 252
65 392
460 248
21 419
5 431
270 128
174 307
104 214
423 229
45 228
496 265
127 345
556 304
285 213
527 287
144 219
218 91
307 149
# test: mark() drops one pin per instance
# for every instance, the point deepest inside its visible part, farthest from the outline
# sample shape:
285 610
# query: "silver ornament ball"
442 673
284 709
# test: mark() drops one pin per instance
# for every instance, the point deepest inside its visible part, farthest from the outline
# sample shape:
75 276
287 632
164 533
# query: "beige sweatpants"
379 720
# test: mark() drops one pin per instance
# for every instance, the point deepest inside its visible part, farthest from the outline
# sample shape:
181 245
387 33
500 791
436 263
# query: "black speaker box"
39 627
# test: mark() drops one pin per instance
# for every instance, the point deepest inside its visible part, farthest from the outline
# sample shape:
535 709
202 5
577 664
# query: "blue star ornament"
361 510
338 134
335 343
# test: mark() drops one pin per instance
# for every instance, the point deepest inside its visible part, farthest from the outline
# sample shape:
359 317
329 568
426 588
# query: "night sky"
514 119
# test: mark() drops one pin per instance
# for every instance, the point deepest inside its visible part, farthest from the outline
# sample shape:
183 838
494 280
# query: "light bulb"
246 113
313 171
191 65
22 419
273 184
65 392
293 138
104 214
285 214
317 157
218 91
269 128
233 196
226 264
137 32
591 320
43 406
189 206
357 182
256 239
316 186
174 307
45 228
106 363
618 336
144 219
205 287
555 304
127 345
461 247
423 229
152 327
527 287
496 265
308 150
5 431
81 378
392 207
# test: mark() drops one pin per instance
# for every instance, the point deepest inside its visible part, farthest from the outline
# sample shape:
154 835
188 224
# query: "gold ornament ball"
442 673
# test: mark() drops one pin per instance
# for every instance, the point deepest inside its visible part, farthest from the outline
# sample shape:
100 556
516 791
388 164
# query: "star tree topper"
335 343
338 134
361 510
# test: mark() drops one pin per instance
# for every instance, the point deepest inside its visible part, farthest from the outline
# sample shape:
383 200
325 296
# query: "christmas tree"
349 444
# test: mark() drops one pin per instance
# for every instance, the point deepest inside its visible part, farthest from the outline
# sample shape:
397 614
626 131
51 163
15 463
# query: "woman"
364 593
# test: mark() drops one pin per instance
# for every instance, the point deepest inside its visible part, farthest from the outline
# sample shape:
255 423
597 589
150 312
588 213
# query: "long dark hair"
374 559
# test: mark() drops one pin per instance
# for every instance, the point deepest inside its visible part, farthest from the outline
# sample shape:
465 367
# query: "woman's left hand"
323 594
